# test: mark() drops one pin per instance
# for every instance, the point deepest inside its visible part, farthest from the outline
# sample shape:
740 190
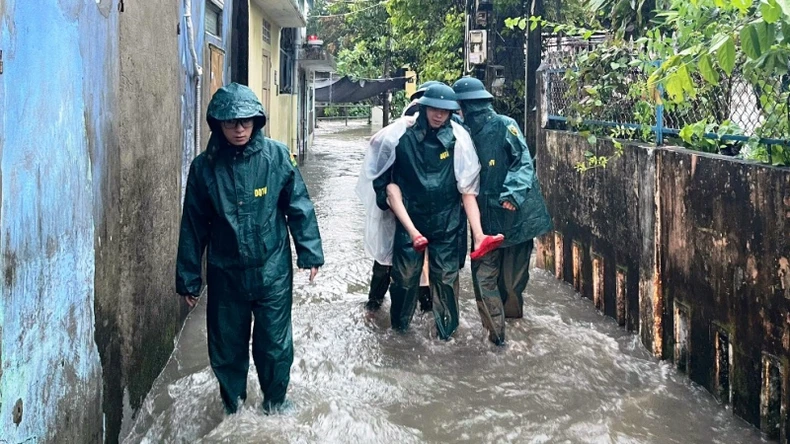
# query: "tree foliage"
367 36
691 57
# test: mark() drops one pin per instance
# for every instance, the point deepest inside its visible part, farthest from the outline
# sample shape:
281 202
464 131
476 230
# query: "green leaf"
726 56
592 139
742 5
674 86
750 42
771 11
686 81
718 41
591 90
687 134
588 154
785 6
766 35
707 71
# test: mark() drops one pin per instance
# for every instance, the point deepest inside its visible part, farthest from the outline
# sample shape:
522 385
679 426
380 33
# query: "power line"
352 12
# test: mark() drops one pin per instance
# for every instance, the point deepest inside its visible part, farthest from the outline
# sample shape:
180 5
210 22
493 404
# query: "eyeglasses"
232 124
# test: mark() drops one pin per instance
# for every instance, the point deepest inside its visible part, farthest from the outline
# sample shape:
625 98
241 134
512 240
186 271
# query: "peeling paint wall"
54 127
700 246
96 136
583 206
725 239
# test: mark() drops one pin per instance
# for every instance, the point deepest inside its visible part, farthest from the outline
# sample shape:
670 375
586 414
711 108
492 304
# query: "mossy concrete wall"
690 250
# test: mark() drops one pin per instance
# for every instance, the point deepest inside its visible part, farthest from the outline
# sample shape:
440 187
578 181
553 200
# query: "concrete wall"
96 135
725 242
689 249
583 207
149 120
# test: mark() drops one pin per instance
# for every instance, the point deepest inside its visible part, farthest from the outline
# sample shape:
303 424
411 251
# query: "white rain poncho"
380 225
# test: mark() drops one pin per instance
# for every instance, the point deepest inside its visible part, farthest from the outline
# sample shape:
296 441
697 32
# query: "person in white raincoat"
433 163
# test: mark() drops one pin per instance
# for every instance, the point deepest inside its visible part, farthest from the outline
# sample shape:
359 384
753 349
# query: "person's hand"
313 273
508 206
191 300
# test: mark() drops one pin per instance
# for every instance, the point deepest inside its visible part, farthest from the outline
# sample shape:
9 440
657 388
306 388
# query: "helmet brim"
450 105
474 95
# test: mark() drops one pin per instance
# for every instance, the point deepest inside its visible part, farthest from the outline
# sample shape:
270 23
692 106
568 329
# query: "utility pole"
534 58
385 100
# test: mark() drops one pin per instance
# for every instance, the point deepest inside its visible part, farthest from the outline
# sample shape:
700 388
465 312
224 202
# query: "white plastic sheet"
380 225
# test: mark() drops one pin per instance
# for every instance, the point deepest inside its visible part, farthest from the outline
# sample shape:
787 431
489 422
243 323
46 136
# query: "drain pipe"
197 72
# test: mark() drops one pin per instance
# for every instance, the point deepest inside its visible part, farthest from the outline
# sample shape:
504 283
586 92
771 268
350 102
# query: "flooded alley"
568 374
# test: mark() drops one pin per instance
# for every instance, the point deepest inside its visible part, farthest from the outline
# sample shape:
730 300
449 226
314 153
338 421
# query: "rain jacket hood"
235 101
477 113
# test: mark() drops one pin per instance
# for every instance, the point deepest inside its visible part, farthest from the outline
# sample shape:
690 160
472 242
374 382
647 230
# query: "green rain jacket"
423 170
241 204
507 175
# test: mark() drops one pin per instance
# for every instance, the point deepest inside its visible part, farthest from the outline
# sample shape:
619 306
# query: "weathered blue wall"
96 137
56 111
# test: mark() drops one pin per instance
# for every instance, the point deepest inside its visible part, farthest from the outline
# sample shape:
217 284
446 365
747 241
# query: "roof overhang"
285 13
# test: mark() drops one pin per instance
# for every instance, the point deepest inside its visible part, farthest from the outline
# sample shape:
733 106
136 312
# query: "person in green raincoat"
424 171
380 277
510 202
244 195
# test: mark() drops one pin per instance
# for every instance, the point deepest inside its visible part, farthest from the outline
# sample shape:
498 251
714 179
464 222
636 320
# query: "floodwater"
567 375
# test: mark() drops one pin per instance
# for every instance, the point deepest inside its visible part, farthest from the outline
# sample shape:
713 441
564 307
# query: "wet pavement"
567 375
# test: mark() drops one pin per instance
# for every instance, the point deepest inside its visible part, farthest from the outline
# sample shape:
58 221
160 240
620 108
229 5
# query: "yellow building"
280 70
275 28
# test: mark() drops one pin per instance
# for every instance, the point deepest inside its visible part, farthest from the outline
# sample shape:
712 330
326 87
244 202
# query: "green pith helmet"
470 88
235 101
439 96
421 89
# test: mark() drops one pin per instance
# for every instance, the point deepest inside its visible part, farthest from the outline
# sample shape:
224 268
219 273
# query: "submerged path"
568 374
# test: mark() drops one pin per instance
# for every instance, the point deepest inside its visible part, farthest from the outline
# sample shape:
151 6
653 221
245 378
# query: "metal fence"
737 110
343 112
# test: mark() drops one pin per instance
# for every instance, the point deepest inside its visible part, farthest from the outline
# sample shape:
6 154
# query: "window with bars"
213 20
267 32
287 60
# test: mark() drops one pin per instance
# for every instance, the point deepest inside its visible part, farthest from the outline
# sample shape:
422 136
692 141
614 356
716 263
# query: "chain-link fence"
739 112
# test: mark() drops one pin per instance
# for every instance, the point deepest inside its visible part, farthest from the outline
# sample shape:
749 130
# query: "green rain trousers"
507 175
423 170
379 282
240 205
500 279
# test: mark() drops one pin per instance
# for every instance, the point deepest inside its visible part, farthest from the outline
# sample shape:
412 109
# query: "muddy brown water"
567 375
